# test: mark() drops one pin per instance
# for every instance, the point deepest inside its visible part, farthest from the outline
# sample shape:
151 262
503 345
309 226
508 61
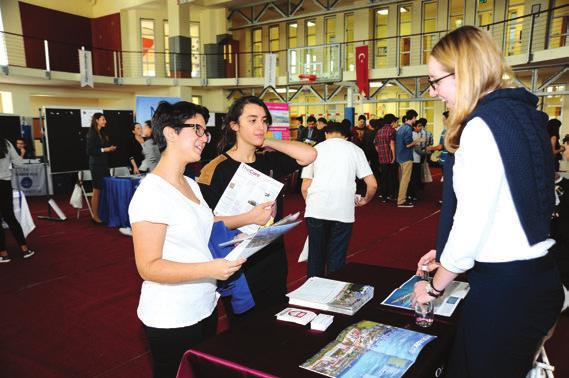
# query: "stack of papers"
321 322
296 315
330 295
445 305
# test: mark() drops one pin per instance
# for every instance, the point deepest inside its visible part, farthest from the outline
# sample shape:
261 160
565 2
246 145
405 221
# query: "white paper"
304 253
296 315
247 188
87 115
316 289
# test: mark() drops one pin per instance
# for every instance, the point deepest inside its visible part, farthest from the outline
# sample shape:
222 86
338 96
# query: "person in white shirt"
496 212
9 157
171 226
329 189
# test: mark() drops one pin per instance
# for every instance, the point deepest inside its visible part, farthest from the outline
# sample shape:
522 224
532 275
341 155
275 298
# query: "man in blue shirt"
404 150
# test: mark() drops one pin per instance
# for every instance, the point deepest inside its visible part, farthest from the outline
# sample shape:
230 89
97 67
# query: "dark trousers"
266 273
508 311
388 183
415 184
168 345
327 245
7 212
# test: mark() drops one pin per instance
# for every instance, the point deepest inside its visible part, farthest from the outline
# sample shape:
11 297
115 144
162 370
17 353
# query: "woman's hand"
428 259
261 213
221 269
420 293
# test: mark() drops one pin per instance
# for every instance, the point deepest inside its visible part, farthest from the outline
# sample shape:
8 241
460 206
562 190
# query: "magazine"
369 349
445 305
259 240
248 188
330 295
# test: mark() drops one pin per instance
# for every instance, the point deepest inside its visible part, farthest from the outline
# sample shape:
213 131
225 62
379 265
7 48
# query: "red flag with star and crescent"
362 72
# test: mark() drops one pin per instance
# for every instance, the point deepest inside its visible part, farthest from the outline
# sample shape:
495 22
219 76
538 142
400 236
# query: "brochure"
369 349
248 188
258 240
296 315
330 295
445 305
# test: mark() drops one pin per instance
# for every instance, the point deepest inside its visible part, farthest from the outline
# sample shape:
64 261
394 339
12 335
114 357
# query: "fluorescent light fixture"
310 23
375 84
283 90
293 25
383 12
403 10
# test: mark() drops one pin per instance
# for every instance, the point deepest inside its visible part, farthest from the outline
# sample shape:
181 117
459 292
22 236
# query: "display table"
115 198
262 346
22 213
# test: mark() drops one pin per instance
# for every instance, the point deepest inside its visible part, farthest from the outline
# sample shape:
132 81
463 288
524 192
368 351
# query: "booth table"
262 346
115 198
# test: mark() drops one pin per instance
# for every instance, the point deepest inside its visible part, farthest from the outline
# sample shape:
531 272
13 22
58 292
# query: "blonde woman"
498 200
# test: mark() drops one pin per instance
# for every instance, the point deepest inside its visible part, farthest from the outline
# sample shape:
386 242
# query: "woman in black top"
245 126
98 146
135 151
553 126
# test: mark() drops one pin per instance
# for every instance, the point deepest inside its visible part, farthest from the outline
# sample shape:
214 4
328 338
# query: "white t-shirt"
187 234
416 156
332 191
486 225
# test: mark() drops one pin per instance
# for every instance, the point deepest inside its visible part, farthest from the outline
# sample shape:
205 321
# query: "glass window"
257 39
514 28
330 26
558 27
485 12
195 40
167 48
292 33
429 28
405 20
274 38
350 62
455 14
310 32
380 36
148 47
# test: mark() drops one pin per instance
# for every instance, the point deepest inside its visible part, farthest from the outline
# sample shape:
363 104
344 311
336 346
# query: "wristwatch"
430 291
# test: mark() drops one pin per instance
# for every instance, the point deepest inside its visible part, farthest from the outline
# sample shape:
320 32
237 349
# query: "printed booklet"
330 295
445 305
369 349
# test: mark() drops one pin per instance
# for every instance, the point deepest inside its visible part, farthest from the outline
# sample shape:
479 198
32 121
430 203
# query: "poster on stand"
280 128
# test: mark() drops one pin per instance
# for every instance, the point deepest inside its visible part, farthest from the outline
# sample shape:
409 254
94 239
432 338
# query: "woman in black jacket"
98 146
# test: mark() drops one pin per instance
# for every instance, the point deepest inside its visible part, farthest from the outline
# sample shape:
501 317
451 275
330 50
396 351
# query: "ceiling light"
383 12
403 10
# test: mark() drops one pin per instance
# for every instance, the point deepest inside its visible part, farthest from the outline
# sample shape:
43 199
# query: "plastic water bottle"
425 273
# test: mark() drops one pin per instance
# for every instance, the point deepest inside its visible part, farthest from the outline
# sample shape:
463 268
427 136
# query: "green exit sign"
483 1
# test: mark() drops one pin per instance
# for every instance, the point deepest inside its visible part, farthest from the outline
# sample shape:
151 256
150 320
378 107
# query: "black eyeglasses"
200 130
433 83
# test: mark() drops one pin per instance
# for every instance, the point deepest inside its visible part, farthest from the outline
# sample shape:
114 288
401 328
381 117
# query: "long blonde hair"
479 68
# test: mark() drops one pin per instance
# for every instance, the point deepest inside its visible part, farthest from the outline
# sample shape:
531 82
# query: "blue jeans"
327 245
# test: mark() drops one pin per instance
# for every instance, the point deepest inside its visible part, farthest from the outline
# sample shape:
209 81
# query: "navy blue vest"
520 133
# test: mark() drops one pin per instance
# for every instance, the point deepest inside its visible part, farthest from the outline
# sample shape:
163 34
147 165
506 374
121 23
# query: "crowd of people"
507 190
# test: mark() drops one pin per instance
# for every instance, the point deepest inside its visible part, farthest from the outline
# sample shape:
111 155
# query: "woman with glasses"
243 137
497 207
171 225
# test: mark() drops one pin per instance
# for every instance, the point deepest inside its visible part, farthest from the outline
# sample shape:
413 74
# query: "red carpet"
70 311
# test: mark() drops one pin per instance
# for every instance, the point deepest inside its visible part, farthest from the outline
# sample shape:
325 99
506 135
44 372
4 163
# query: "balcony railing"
521 36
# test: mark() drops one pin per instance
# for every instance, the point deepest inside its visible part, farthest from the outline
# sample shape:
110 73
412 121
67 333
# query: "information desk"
115 198
262 346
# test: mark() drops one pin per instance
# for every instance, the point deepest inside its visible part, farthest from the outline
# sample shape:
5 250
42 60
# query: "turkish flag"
362 72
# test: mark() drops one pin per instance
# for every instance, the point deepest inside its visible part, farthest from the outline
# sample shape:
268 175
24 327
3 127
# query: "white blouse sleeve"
478 174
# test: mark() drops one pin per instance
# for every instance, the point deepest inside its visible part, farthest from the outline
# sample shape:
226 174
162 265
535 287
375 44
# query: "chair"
83 176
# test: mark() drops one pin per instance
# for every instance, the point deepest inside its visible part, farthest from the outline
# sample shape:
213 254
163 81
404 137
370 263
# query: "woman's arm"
14 157
440 281
148 239
305 185
556 150
301 152
260 214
